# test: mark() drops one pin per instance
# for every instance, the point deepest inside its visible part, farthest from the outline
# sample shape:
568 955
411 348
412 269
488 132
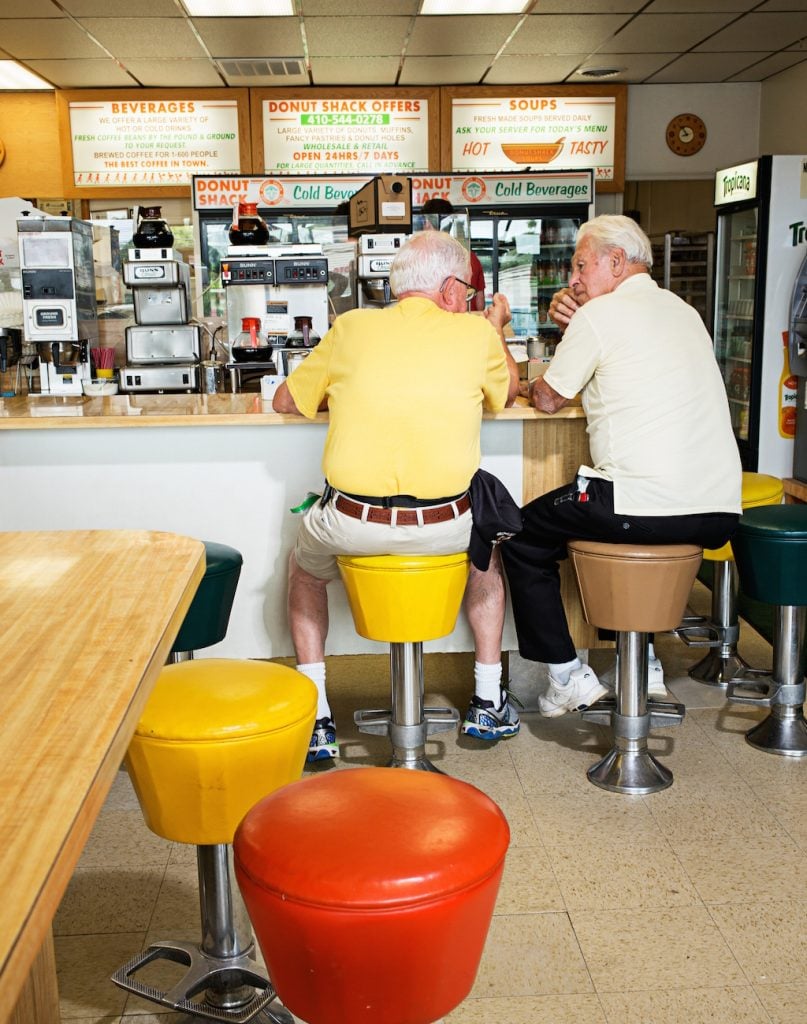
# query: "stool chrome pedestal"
635 590
404 600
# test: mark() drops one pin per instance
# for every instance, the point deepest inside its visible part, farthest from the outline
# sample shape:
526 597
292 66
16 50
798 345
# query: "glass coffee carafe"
303 335
251 345
152 231
250 228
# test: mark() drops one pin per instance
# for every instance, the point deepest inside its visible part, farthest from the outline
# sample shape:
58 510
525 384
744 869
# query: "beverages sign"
735 184
152 142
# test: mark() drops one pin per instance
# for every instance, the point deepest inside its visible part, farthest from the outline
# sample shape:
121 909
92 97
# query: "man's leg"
489 716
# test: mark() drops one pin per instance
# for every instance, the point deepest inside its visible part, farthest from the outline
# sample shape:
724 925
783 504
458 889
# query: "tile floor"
685 907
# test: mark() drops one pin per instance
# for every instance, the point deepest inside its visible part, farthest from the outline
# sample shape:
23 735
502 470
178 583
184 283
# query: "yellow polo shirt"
406 387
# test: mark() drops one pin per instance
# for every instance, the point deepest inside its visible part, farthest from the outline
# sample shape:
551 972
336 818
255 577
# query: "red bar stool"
216 736
403 600
371 892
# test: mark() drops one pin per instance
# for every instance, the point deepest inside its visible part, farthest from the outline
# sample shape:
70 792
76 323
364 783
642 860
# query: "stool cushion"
215 737
206 620
757 489
371 892
634 588
404 598
770 548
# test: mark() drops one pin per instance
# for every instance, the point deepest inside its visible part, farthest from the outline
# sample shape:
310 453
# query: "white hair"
613 231
426 260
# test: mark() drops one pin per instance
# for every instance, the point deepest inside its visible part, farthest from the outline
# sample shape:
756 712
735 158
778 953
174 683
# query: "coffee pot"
250 345
249 228
303 335
152 231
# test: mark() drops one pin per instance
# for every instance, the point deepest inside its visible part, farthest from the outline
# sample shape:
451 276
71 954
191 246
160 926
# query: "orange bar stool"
721 631
206 620
404 600
634 590
216 736
770 546
371 892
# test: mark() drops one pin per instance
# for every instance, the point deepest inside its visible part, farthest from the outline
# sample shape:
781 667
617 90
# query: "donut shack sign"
463 190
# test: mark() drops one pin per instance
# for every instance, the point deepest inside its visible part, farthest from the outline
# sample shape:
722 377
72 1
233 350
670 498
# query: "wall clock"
686 134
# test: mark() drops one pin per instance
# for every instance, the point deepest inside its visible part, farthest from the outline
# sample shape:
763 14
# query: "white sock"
316 673
488 682
651 652
561 673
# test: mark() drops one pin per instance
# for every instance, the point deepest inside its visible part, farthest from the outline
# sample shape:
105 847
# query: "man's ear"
617 261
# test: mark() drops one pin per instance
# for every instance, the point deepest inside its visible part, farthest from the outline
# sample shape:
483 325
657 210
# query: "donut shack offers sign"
462 190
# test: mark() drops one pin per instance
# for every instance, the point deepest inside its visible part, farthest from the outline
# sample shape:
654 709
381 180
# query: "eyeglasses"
470 291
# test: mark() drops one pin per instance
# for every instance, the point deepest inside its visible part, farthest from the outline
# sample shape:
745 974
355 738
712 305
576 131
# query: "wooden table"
795 491
87 620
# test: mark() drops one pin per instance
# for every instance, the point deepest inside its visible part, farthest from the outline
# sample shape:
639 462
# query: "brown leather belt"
425 515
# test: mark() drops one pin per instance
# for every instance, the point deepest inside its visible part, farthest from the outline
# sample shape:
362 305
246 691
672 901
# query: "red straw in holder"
104 359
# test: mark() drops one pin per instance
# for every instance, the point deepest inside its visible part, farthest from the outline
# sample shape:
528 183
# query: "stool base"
630 771
203 973
719 668
781 734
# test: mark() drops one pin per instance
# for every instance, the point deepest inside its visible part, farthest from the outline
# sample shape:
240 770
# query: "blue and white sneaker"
323 745
487 722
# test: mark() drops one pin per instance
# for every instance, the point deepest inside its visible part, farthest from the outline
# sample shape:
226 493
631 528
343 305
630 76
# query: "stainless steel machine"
162 350
58 299
376 253
277 308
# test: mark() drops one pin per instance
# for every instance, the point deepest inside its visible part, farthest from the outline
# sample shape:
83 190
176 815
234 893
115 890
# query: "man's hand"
563 307
544 398
498 312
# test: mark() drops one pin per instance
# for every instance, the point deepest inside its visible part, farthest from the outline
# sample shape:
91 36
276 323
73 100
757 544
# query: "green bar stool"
721 630
770 548
207 618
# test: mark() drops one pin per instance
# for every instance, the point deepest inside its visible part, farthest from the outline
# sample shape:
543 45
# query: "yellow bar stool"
216 736
635 590
721 630
404 600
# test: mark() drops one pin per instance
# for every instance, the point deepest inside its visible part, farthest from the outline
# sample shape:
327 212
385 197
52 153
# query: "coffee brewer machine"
376 253
163 349
797 351
58 299
277 308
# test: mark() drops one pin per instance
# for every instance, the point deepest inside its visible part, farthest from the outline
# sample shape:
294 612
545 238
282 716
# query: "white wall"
783 112
730 112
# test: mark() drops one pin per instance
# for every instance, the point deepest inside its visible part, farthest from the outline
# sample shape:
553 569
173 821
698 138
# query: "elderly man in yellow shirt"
405 387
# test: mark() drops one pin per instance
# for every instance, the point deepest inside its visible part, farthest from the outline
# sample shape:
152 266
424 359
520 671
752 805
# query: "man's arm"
498 314
283 402
545 398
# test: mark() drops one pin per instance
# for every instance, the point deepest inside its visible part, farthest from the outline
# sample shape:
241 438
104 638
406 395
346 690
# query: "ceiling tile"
651 33
29 9
734 7
769 66
120 8
638 66
82 74
759 32
704 67
784 5
369 8
46 38
578 7
350 71
145 37
372 37
442 70
454 36
539 68
550 33
251 37
196 73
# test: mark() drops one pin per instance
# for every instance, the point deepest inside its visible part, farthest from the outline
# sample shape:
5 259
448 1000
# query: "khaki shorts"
325 533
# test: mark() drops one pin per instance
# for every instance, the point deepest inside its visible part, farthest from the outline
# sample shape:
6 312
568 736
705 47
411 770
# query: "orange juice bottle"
788 389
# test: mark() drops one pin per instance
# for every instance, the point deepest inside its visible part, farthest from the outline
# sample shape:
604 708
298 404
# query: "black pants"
531 557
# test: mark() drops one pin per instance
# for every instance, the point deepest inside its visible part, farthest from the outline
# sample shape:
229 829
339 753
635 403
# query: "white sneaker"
582 690
655 678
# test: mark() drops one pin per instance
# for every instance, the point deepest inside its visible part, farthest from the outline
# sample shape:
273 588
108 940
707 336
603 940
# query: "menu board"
349 135
152 142
518 133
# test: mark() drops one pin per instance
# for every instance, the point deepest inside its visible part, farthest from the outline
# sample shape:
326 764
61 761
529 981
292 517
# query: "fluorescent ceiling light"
473 6
15 76
239 8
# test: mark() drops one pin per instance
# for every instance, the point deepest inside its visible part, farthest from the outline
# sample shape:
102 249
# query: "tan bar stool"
404 600
634 590
721 630
216 736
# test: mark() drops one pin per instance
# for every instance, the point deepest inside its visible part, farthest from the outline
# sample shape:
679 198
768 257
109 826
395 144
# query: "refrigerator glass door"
735 278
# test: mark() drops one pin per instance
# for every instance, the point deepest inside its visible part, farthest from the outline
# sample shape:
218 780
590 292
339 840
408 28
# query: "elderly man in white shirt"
665 466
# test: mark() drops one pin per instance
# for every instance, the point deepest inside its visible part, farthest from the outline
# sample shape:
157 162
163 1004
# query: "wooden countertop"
48 411
87 620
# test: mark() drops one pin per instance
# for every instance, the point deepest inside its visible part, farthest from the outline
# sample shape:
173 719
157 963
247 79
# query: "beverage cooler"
761 242
521 226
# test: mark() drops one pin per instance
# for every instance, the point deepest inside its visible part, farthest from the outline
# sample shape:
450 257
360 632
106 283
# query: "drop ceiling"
104 44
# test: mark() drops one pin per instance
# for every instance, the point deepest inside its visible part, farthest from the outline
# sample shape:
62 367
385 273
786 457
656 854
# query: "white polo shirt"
658 415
